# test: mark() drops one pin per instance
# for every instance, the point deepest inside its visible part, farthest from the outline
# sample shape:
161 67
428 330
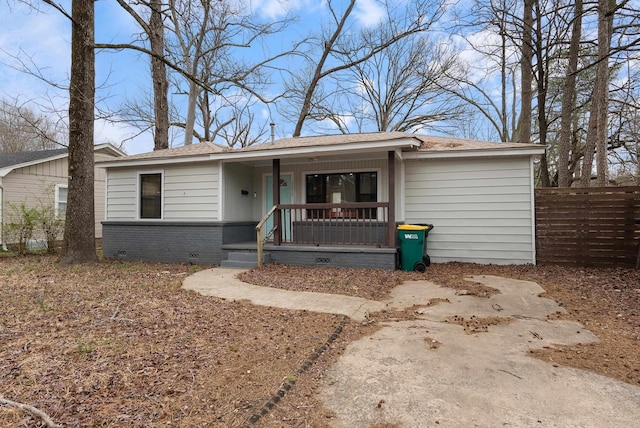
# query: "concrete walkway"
430 372
224 284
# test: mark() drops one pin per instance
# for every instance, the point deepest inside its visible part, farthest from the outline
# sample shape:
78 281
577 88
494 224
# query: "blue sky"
42 40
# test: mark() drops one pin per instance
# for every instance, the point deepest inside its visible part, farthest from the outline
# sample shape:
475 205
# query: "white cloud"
275 9
369 12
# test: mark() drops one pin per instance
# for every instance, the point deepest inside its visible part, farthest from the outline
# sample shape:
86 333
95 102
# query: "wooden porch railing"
358 223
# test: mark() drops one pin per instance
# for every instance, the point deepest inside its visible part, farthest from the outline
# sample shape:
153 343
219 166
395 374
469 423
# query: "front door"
286 197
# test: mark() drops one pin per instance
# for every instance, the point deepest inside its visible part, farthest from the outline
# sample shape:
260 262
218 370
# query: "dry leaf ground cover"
121 344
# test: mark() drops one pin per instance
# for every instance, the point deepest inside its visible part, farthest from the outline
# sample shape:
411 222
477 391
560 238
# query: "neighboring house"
341 197
41 177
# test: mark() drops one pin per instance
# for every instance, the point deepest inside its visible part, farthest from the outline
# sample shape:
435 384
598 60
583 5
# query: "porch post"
277 216
391 170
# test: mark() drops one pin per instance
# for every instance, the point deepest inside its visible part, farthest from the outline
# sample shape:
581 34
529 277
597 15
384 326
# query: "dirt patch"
121 344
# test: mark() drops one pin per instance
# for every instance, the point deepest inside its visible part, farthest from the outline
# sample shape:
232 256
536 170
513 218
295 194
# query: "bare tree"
493 33
79 234
191 21
154 31
22 129
398 89
242 129
598 133
526 74
343 47
206 40
569 98
624 124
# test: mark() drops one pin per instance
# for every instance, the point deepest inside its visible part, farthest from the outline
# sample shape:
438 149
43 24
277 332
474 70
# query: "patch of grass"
43 304
127 266
32 268
84 347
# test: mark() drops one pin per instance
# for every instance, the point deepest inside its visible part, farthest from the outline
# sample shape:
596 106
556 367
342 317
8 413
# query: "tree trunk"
542 85
159 77
597 131
79 234
191 113
590 143
526 74
605 30
568 99
503 71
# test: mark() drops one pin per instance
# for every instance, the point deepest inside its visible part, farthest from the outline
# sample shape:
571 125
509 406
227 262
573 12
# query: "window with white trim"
62 192
151 195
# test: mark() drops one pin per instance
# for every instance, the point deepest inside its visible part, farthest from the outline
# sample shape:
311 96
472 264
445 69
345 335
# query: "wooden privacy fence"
588 227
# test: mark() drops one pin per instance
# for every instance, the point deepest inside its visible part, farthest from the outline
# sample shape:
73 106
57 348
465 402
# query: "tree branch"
32 410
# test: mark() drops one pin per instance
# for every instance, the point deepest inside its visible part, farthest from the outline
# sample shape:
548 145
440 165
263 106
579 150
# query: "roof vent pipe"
273 134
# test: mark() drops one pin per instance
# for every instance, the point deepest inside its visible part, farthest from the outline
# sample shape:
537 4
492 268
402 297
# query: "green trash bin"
413 240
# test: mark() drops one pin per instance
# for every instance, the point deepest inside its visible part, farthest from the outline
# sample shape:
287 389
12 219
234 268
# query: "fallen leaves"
121 344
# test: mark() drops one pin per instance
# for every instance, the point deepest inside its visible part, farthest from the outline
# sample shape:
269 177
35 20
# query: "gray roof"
329 140
441 144
424 143
11 159
204 148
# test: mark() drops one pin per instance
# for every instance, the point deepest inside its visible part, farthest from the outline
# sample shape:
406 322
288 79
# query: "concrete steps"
244 259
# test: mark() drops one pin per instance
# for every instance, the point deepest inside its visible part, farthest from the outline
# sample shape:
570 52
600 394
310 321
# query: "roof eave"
283 153
109 147
109 163
319 150
441 154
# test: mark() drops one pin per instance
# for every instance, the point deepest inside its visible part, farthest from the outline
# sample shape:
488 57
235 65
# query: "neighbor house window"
343 188
151 195
61 200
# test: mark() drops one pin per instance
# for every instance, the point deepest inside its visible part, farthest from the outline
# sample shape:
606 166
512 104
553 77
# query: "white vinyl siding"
122 194
190 193
481 208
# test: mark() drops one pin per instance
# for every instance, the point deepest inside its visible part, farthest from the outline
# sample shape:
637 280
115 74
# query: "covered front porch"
329 213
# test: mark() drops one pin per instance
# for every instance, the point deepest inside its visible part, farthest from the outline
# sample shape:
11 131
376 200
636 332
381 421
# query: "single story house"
335 200
41 177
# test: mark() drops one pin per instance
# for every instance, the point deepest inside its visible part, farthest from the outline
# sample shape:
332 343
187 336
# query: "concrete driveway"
429 372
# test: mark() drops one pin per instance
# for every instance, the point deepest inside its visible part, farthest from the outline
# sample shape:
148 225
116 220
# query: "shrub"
21 225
